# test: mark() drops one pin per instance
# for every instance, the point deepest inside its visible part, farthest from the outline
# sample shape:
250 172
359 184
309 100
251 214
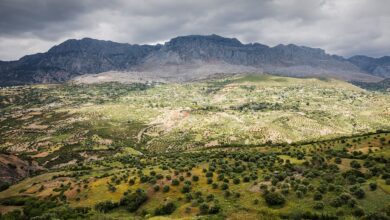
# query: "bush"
105 206
373 186
274 198
175 182
214 209
210 197
15 214
337 202
195 178
4 186
166 209
299 194
358 212
317 196
186 188
357 192
236 181
204 209
355 164
224 186
165 188
319 205
209 174
134 200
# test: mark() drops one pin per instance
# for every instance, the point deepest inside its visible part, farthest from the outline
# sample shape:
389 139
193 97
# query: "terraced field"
243 147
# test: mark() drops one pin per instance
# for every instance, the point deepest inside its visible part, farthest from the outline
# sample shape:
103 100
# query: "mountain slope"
181 59
375 66
72 58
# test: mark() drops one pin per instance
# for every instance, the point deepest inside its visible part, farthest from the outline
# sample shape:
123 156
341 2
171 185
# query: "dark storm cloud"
343 27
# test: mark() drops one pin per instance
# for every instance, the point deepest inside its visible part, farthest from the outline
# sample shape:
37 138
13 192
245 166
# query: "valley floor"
243 147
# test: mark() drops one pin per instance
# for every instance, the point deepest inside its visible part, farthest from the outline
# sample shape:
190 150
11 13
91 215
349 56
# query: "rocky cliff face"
187 58
375 66
72 58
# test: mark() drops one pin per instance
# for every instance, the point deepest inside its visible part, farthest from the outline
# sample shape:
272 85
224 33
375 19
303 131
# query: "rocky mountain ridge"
186 58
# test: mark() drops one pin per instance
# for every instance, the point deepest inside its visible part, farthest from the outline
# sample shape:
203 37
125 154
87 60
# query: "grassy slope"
191 117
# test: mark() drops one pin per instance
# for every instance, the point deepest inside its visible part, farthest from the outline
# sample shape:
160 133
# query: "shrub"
195 178
166 209
224 186
210 197
358 212
356 165
4 186
214 209
186 188
165 188
357 192
319 205
131 182
175 182
337 202
134 200
105 206
373 186
15 214
317 196
274 198
204 209
299 194
352 203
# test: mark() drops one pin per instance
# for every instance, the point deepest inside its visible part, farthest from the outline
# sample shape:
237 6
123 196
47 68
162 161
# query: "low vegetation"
248 147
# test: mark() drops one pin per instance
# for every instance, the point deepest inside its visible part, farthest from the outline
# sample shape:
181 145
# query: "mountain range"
185 58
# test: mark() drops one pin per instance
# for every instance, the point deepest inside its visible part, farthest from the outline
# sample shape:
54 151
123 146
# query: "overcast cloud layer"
343 27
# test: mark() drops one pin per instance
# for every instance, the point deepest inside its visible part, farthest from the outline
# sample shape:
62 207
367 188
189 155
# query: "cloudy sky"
344 27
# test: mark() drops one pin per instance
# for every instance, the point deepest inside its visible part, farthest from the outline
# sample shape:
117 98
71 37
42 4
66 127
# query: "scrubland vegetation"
249 147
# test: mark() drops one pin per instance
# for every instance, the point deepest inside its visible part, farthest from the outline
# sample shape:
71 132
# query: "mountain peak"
184 56
213 38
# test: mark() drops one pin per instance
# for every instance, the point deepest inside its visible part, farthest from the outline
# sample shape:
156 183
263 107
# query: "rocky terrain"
375 66
186 58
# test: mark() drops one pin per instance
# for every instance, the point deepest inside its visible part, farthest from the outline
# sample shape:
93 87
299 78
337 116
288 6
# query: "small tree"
166 209
204 209
319 205
274 198
373 186
195 178
165 188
